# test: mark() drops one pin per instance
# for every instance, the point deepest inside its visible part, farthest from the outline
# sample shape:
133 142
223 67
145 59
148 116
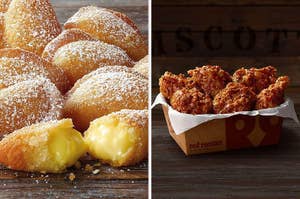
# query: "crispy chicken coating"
191 101
169 83
211 79
234 98
273 95
258 79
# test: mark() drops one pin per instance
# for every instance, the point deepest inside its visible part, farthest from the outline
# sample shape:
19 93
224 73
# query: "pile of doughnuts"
212 90
61 89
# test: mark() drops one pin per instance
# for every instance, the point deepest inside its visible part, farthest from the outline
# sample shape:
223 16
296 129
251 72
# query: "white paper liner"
182 122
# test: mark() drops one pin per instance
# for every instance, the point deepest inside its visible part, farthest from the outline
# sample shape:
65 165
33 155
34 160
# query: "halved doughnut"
48 147
120 138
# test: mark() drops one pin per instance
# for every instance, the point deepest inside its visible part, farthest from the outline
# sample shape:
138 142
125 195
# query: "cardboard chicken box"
196 134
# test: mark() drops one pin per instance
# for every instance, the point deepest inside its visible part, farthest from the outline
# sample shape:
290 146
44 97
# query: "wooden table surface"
266 173
129 182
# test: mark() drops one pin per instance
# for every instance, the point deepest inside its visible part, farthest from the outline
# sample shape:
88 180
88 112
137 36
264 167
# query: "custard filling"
111 140
66 145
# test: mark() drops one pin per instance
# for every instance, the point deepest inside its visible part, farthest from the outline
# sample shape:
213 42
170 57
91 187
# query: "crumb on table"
72 176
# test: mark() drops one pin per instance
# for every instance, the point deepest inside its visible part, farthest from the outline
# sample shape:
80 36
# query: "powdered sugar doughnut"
67 36
142 66
104 93
30 25
29 102
17 65
105 69
111 27
81 57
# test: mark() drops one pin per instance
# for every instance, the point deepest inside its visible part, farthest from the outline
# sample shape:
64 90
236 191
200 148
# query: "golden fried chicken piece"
211 79
273 95
258 79
191 101
234 98
169 83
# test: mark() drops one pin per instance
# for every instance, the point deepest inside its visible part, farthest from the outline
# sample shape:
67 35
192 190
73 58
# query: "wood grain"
268 172
229 17
110 182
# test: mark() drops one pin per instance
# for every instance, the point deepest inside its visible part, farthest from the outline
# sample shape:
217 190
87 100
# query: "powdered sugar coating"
137 118
17 65
105 69
42 127
29 102
21 71
142 66
118 85
81 57
67 36
111 27
30 24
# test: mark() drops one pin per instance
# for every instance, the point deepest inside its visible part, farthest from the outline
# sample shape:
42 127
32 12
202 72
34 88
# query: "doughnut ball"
105 69
81 57
104 93
30 25
17 65
110 27
120 138
142 66
29 102
67 36
47 147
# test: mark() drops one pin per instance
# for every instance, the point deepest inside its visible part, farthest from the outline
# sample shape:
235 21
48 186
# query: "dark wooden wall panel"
229 33
228 17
